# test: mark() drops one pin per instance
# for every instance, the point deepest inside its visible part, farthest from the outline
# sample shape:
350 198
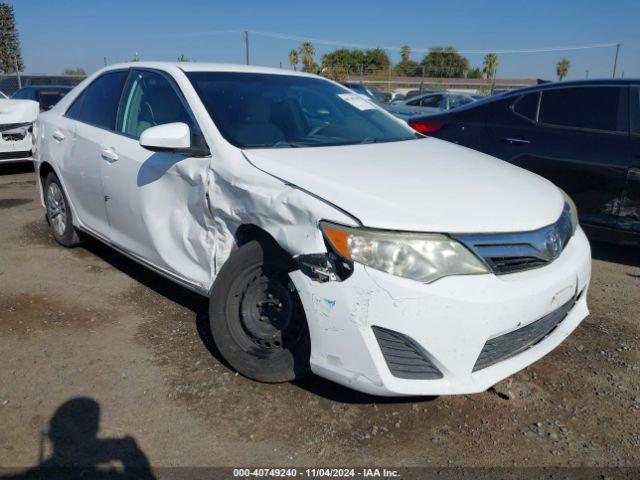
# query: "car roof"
208 67
575 83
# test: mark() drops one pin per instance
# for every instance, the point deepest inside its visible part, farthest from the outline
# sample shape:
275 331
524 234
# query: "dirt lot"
89 323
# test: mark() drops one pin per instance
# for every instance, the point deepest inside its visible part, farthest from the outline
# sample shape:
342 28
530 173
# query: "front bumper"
13 149
451 319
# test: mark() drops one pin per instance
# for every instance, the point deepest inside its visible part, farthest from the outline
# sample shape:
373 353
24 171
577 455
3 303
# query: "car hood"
425 185
18 111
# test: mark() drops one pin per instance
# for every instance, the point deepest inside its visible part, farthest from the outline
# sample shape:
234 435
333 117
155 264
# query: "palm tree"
307 50
490 65
293 59
562 68
405 53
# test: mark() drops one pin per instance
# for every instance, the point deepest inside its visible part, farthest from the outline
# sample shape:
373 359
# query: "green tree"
405 53
307 51
562 68
75 72
376 59
10 54
445 63
293 59
474 73
407 67
490 65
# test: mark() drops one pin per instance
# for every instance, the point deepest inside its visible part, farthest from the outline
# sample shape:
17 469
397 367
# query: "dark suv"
584 136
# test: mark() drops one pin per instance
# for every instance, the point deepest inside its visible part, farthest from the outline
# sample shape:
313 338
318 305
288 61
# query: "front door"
630 208
156 201
578 139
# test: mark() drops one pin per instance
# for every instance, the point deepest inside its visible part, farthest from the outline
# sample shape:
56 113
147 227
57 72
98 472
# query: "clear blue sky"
70 33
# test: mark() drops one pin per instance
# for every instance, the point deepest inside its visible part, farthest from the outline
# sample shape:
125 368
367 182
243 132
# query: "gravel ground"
90 325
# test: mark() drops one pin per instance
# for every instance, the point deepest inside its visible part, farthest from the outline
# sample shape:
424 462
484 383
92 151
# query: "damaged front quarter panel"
240 194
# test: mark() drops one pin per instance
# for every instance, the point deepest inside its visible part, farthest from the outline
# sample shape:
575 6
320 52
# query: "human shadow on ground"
78 453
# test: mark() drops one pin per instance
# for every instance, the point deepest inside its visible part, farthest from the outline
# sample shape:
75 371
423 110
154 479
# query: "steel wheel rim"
56 209
281 328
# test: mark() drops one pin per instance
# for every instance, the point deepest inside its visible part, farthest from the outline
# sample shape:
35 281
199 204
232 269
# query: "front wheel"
256 317
59 214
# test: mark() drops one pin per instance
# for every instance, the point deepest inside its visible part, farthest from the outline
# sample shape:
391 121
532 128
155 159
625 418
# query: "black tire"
265 338
58 211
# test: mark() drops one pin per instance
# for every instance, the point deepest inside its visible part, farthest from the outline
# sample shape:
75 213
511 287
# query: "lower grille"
510 344
514 264
404 357
11 155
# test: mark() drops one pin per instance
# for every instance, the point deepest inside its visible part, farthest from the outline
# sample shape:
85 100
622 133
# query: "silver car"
425 104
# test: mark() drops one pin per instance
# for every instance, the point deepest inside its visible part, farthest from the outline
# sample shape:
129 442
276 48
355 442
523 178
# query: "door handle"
516 141
109 155
58 135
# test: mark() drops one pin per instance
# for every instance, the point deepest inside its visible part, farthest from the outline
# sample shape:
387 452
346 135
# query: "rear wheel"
257 319
59 214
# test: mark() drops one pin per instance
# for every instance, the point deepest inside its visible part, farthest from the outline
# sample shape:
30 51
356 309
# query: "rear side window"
527 106
597 108
100 102
76 107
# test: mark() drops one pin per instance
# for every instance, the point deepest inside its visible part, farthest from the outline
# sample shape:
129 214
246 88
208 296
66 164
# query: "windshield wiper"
285 144
384 140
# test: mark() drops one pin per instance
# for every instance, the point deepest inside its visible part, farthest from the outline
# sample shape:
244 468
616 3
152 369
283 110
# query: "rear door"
578 138
94 113
630 208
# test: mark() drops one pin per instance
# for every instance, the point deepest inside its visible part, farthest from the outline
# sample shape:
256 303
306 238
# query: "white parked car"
329 236
17 118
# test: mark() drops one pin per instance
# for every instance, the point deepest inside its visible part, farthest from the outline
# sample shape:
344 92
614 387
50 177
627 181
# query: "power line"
338 43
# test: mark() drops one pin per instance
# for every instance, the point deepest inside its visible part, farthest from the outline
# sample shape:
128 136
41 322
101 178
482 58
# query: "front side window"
255 110
149 100
100 100
596 108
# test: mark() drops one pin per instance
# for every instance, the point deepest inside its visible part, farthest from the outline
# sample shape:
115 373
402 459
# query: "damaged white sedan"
17 118
329 236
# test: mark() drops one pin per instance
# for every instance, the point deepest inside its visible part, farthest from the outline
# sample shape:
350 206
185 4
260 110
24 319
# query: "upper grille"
510 344
404 357
514 252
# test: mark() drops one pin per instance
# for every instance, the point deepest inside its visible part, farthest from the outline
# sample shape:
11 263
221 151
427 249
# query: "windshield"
255 110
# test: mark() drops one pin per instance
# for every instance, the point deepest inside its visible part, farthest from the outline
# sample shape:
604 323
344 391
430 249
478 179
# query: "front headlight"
423 257
573 211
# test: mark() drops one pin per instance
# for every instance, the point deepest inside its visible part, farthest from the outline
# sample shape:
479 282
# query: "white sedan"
329 236
17 118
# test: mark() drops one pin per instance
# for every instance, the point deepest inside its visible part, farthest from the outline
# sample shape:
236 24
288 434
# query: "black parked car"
584 136
46 95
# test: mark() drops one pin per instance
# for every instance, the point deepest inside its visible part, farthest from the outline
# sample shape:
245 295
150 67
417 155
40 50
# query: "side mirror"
173 137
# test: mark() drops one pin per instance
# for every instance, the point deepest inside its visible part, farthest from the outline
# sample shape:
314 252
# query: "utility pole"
422 81
105 61
587 73
246 45
615 60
